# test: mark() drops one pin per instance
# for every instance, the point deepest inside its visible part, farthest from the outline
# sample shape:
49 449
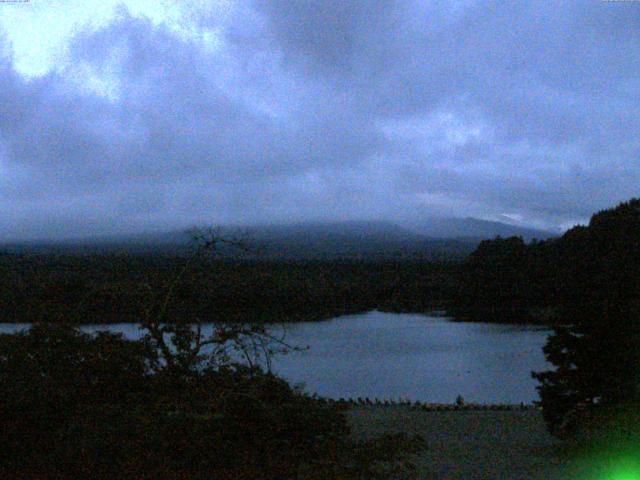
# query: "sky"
117 117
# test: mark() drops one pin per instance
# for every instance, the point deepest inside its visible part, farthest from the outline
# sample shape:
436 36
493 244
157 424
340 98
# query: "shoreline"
364 402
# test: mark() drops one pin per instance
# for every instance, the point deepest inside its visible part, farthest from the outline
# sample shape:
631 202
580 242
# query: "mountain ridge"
433 239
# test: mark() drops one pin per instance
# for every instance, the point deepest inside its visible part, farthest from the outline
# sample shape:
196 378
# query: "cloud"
278 111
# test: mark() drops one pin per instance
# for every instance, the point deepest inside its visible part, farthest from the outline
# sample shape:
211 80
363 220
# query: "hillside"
473 228
437 238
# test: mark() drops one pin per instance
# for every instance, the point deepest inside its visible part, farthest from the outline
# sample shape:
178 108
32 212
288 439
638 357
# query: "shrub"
75 405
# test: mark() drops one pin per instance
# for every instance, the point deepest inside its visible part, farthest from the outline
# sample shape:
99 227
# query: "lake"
408 356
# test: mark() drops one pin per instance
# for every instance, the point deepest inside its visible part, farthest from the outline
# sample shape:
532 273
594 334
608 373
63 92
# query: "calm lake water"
416 357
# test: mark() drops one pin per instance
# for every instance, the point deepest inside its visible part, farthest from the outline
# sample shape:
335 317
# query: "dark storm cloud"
332 110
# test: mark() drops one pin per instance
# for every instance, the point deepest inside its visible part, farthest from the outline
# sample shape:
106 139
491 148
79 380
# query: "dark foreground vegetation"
595 386
78 406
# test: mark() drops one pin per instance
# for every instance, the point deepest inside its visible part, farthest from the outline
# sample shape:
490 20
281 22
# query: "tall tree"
597 351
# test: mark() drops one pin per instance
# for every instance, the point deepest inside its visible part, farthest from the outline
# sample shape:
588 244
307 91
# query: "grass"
470 445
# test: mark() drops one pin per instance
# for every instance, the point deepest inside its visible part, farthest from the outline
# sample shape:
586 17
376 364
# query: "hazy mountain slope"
351 239
453 227
435 238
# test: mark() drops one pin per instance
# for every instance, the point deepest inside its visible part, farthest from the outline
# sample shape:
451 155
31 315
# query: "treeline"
507 280
117 288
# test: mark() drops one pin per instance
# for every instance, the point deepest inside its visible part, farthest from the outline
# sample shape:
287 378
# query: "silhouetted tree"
501 281
597 351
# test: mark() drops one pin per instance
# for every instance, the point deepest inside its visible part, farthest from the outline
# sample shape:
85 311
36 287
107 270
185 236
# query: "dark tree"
597 351
504 280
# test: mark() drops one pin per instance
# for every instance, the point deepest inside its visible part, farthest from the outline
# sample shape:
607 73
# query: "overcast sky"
146 114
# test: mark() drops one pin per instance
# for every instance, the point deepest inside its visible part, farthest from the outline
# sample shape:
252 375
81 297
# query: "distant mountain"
473 228
159 242
333 231
352 239
439 238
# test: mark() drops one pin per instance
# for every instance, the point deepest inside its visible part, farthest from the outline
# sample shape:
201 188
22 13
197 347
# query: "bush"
74 405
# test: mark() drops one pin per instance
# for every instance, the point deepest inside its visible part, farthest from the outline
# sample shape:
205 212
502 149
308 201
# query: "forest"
116 288
507 280
503 280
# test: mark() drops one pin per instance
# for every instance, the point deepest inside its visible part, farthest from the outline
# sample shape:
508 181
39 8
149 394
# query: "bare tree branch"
184 346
